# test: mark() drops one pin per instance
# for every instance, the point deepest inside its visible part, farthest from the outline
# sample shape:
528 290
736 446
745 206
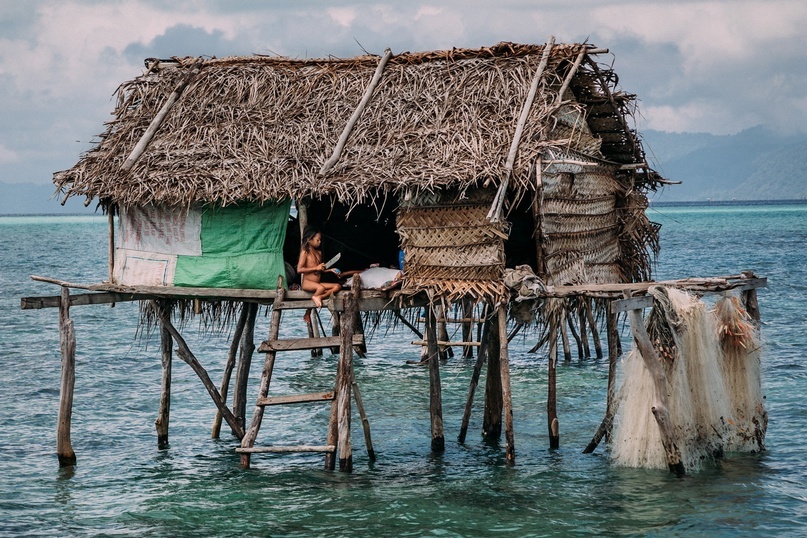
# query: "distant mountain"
38 199
755 164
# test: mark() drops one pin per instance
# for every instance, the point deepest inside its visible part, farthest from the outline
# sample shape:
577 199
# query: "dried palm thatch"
260 128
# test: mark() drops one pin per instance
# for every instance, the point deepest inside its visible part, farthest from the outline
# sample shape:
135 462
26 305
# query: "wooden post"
577 337
610 407
313 331
435 389
67 344
581 316
345 379
660 407
184 353
111 243
749 298
467 328
365 423
480 360
537 214
551 399
166 347
244 363
592 323
564 338
228 367
492 421
442 333
507 399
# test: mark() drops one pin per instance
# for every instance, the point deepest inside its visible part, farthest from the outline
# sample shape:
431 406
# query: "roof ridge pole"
495 213
368 93
160 117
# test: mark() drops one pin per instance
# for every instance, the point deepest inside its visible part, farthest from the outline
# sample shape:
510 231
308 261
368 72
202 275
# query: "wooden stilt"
345 382
610 407
442 333
492 421
435 389
333 421
228 367
244 363
248 439
507 399
551 400
365 423
467 328
313 331
577 337
564 338
592 323
164 414
188 357
358 328
750 302
660 407
67 344
585 352
480 360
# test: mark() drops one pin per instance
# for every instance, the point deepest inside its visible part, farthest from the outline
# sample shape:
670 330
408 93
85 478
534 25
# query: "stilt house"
474 163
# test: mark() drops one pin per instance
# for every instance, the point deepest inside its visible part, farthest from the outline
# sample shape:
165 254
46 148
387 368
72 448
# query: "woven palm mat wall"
452 250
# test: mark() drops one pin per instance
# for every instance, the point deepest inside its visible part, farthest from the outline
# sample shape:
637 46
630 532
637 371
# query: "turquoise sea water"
123 485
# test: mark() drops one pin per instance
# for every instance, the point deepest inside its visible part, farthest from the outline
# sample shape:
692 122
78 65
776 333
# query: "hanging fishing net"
711 368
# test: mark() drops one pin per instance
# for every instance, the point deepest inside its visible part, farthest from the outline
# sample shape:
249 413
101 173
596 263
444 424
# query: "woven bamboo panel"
458 256
606 252
441 216
452 249
578 223
604 273
566 271
480 272
578 206
586 184
579 241
449 235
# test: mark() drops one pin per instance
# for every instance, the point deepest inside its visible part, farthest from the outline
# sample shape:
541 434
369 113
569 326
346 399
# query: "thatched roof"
260 128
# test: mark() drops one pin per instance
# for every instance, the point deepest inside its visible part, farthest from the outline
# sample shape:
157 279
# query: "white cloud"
7 155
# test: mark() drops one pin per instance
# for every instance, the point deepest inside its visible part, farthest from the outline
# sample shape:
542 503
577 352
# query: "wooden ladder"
338 437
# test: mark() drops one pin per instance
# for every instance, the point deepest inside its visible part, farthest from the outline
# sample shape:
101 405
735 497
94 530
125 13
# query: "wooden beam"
141 145
368 93
435 388
307 343
166 359
507 397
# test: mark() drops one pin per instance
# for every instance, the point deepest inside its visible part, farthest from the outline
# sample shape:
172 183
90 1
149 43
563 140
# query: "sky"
717 66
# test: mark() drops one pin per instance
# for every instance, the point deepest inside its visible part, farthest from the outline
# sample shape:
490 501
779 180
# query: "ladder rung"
447 343
299 304
285 449
306 343
296 398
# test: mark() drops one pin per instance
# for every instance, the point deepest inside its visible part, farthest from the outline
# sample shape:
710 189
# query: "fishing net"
711 363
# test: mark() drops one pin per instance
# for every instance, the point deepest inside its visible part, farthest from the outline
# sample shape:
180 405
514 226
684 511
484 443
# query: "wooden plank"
306 343
79 299
294 305
285 449
297 398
